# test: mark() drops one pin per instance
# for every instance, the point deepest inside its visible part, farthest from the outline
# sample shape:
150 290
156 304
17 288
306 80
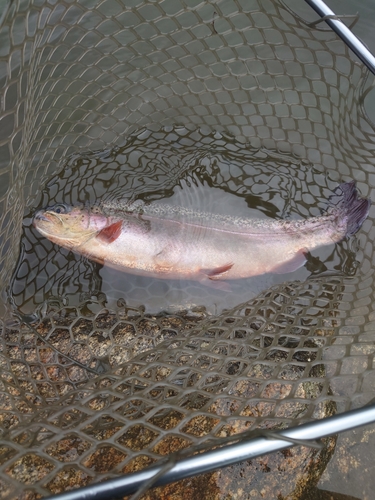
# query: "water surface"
195 169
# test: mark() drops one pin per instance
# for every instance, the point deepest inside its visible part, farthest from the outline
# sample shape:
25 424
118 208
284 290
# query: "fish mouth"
39 216
44 216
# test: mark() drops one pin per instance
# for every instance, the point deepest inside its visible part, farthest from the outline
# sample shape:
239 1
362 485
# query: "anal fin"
217 273
297 261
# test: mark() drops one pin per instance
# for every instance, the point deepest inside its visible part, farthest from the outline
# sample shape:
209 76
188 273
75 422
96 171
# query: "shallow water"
178 170
195 169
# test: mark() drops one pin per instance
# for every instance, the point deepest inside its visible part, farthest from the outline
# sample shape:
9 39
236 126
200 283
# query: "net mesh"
89 390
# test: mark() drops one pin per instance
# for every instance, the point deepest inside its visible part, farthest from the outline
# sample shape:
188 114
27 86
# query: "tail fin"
350 207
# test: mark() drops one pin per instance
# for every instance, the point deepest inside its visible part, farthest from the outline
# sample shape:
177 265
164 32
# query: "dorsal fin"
110 233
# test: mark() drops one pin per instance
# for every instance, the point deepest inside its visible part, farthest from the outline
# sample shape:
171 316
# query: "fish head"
69 226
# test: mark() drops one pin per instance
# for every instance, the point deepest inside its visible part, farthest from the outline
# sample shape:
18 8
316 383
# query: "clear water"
197 169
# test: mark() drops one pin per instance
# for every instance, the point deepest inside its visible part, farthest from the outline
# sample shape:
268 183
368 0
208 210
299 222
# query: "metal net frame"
90 391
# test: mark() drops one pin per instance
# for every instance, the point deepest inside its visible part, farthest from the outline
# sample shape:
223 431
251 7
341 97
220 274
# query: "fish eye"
60 208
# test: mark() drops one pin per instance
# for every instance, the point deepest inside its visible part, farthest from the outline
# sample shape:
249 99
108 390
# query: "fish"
156 242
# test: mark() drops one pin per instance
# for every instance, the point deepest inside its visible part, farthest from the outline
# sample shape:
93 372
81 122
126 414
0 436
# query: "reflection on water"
194 169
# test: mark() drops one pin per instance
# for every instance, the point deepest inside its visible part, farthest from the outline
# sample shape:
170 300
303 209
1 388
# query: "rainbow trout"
206 248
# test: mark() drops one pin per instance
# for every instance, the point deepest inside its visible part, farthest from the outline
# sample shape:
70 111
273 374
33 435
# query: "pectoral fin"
297 261
110 233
